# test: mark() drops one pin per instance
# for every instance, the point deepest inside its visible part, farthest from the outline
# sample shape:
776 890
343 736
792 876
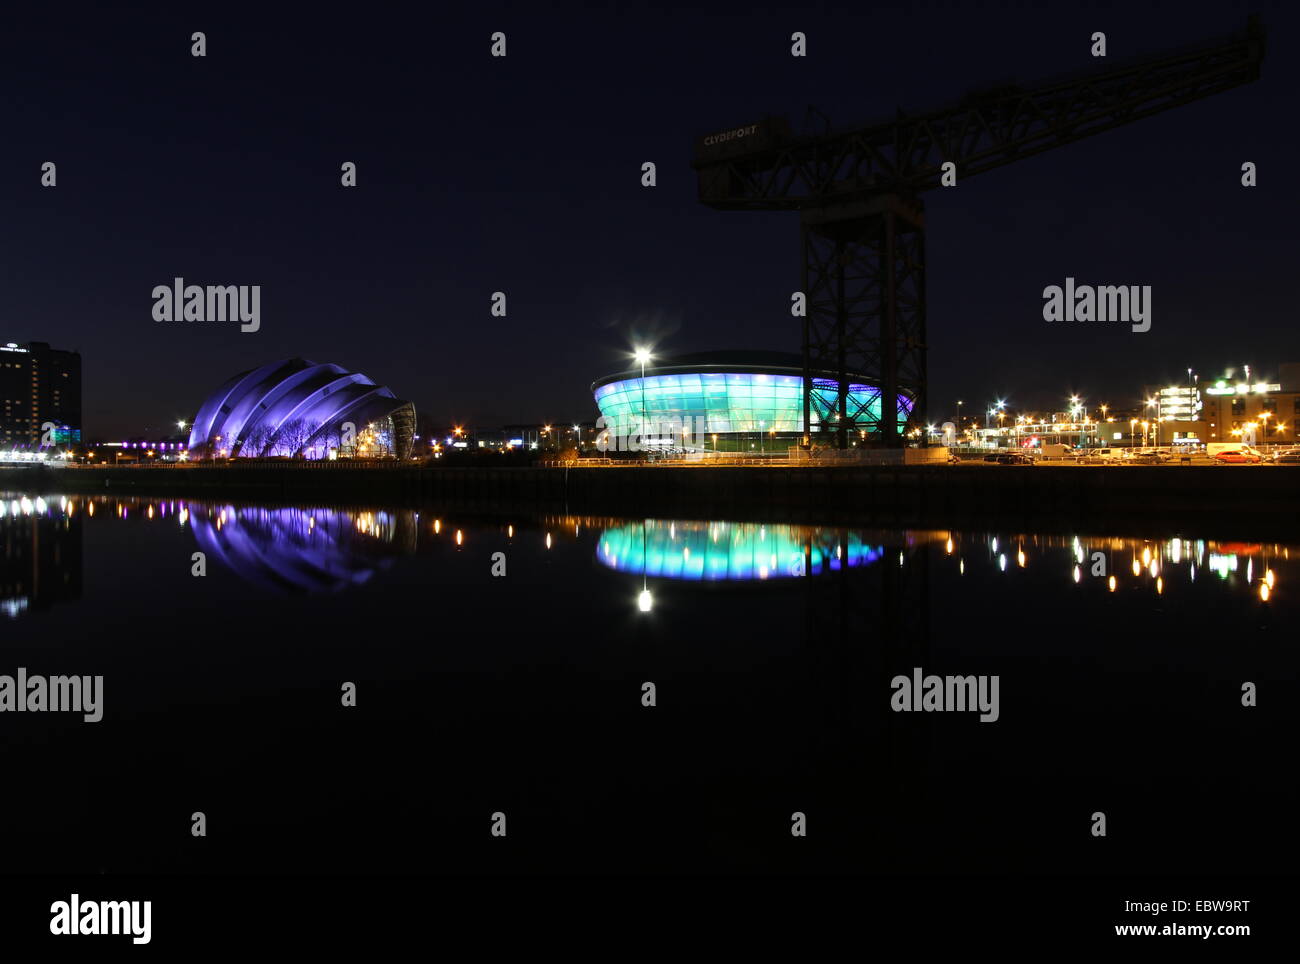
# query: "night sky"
522 174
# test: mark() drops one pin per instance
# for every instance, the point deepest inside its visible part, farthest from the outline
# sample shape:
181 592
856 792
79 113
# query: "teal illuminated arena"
746 399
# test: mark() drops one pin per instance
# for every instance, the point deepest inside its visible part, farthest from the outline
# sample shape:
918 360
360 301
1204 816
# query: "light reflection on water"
328 549
730 551
776 644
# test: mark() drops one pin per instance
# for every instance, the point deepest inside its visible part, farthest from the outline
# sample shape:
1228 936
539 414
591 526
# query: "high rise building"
39 386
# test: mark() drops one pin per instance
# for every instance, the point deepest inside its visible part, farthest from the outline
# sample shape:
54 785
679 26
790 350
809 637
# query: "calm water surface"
771 648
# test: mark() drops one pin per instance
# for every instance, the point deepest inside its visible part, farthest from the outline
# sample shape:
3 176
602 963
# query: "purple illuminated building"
301 409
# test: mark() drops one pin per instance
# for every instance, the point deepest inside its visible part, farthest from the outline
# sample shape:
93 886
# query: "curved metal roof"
308 399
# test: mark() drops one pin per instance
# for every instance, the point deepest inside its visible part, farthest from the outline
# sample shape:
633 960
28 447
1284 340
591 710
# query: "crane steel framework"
863 223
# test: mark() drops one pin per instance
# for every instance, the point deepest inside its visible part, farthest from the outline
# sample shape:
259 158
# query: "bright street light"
642 355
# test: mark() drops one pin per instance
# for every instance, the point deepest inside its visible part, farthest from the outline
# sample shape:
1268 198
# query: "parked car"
1014 458
1241 456
1103 456
1213 449
1109 455
1288 457
1149 457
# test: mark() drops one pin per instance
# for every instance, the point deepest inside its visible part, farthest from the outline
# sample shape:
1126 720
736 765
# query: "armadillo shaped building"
299 408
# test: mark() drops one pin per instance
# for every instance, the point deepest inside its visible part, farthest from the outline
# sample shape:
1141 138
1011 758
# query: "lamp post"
642 356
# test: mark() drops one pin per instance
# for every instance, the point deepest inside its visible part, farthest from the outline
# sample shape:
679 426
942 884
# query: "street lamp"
1156 402
642 356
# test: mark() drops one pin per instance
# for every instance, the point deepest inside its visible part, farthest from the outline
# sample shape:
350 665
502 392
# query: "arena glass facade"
723 393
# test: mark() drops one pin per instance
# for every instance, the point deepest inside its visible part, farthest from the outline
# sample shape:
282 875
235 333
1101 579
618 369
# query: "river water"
501 665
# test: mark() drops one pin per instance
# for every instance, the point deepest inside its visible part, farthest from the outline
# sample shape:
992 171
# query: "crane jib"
862 222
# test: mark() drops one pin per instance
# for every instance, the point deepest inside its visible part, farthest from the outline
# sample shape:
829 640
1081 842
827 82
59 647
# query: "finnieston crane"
858 191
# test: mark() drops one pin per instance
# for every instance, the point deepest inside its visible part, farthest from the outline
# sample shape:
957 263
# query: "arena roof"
745 360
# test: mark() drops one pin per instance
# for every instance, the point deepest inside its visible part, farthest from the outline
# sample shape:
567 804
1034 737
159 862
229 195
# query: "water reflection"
731 551
328 549
1148 565
302 550
775 690
40 554
286 549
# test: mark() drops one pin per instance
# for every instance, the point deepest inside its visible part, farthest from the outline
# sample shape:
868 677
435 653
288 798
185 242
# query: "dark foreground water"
771 649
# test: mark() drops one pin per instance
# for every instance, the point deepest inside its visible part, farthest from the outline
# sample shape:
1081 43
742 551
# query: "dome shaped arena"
298 408
742 397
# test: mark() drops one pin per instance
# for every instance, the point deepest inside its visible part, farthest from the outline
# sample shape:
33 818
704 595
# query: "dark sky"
523 175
